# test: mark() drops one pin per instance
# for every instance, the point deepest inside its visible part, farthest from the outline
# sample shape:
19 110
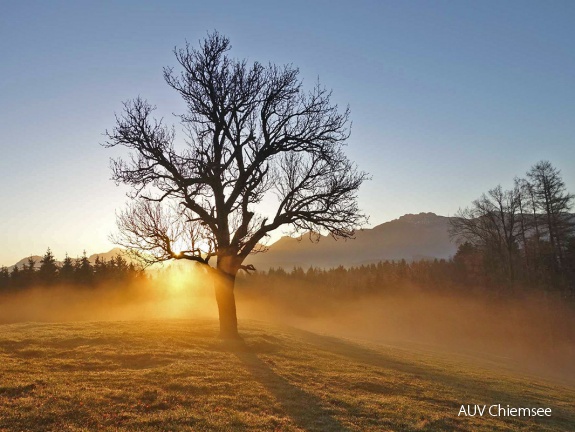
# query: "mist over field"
528 334
514 333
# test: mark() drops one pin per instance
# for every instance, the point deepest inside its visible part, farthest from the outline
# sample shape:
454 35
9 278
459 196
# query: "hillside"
411 237
174 375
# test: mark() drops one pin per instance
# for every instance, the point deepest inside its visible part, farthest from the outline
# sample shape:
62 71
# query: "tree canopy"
252 135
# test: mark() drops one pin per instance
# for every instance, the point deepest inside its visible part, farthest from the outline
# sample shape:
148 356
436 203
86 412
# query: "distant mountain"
105 255
411 237
23 261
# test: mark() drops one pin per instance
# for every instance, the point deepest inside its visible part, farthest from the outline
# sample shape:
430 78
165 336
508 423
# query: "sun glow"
181 275
177 279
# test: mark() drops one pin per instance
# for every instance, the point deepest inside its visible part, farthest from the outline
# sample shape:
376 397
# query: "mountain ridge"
411 237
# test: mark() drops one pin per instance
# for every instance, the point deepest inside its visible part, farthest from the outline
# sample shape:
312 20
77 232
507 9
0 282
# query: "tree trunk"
224 287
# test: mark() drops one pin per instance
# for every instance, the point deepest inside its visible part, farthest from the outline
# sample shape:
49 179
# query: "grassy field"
175 375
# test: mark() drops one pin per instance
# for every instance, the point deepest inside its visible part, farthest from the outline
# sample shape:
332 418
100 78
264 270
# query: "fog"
525 335
531 335
167 295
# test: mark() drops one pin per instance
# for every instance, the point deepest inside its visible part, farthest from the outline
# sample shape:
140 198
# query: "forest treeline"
78 272
464 274
511 242
521 238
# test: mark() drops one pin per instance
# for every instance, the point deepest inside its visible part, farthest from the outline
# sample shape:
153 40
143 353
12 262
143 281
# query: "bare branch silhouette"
252 133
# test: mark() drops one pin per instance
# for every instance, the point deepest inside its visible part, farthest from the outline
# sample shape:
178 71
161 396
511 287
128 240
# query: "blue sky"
448 99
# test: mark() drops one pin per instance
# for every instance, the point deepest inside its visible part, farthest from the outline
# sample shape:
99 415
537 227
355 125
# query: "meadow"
174 374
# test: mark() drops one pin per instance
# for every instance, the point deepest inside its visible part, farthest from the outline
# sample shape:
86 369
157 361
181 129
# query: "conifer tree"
48 271
554 202
16 278
4 278
66 274
84 272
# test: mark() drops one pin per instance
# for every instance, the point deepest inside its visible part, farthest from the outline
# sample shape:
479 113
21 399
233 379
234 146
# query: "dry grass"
174 375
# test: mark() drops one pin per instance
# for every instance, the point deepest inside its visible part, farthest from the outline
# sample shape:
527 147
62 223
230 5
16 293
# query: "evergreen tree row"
458 275
47 272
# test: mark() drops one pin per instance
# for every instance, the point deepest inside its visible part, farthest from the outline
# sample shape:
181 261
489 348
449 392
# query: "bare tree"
492 224
252 133
554 202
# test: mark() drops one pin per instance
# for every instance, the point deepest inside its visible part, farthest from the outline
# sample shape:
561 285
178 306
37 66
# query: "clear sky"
448 99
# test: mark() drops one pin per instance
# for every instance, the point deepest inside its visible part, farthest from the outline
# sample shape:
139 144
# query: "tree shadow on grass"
303 408
471 389
370 357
